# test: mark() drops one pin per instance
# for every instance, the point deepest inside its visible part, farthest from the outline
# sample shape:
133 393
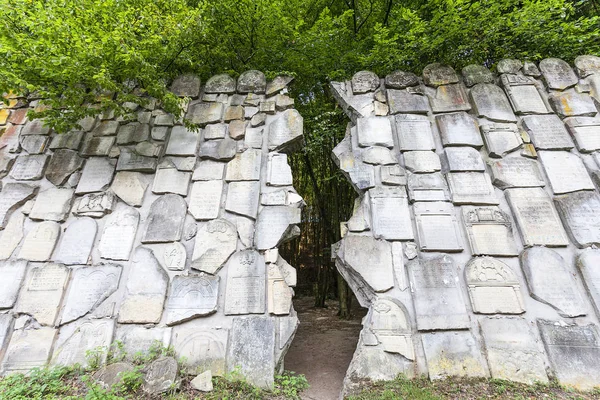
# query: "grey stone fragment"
205 113
408 100
572 104
29 167
427 187
215 242
251 81
11 236
186 86
211 356
547 132
133 133
95 205
586 131
161 376
88 336
208 170
191 296
448 98
118 234
161 120
279 83
489 231
587 263
170 180
438 74
421 161
237 129
513 350
165 220
129 160
471 188
459 129
587 65
34 144
42 293
6 163
286 131
453 354
573 352
401 80
12 273
565 171
393 175
251 350
523 94
274 224
242 198
182 142
437 227
464 159
9 141
501 139
215 131
490 102
530 69
89 287
374 131
203 382
112 374
557 74
514 172
28 349
245 166
159 132
246 284
62 164
205 199
474 74
129 187
258 119
364 81
97 146
550 281
13 196
390 214
537 220
279 173
235 113
181 163
106 128
77 242
145 290
437 294
493 287
509 66
579 213
35 127
96 176
414 132
6 327
52 204
218 150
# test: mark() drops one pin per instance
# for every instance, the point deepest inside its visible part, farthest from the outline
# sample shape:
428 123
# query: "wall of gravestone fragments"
473 241
139 230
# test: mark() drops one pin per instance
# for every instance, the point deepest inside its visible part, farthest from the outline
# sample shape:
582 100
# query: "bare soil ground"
323 347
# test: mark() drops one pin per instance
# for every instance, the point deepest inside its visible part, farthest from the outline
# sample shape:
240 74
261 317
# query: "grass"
466 388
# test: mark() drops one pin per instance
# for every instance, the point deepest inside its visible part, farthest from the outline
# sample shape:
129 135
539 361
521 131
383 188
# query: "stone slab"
407 101
489 231
414 132
129 187
516 172
459 129
565 171
77 242
245 166
95 205
165 220
12 273
251 81
11 236
28 349
218 150
242 198
427 187
118 234
586 132
208 170
557 74
279 172
13 196
547 132
215 242
448 98
437 228
161 376
453 354
579 213
246 280
170 180
390 214
62 164
205 199
29 167
203 346
273 225
501 139
286 131
490 102
374 131
205 113
97 175
182 142
572 104
87 337
190 297
422 161
40 241
464 159
97 146
129 160
523 94
587 263
471 188
52 204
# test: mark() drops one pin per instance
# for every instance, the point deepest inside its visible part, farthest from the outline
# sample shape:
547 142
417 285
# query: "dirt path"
323 348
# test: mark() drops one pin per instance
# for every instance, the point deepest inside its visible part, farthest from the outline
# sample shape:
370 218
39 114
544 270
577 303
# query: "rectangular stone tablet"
390 213
437 229
489 231
565 171
471 188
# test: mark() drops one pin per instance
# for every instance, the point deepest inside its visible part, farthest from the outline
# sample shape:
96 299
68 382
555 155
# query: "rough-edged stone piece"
95 205
145 291
515 172
52 204
186 86
390 214
13 196
209 356
579 213
448 98
572 104
28 349
493 287
245 166
489 231
286 130
88 336
427 187
129 187
29 167
222 83
11 236
471 188
191 296
464 159
437 228
69 140
246 282
586 131
208 170
242 198
453 354
12 273
400 80
42 292
474 74
438 74
205 199
203 382
129 160
547 132
491 102
523 94
513 350
501 139
219 150
437 294
161 376
40 241
422 161
278 83
97 175
414 132
557 74
550 281
509 66
170 180
273 225
587 263
165 220
111 375
119 233
409 100
251 81
62 164
459 129
182 142
215 242
565 171
587 65
77 242
364 81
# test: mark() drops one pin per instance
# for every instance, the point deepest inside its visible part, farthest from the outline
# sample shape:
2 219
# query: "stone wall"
139 230
473 239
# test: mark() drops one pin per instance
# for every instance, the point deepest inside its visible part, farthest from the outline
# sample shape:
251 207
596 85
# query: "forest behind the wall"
110 52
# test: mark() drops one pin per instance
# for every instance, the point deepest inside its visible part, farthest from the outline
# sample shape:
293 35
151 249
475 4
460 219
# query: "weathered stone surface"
245 166
165 220
401 80
279 83
95 205
550 281
27 349
106 128
587 65
513 350
427 187
437 228
219 150
251 81
161 376
11 236
242 198
215 242
170 180
191 296
587 263
182 142
490 102
13 196
547 132
97 175
375 131
133 133
35 127
572 104
251 350
88 336
579 213
414 132
464 159
97 146
286 131
52 204
12 273
448 98
62 164
565 171
471 188
515 172
586 131
145 291
70 141
474 74
203 347
279 294
76 244
375 155
34 144
459 129
493 287
422 161
222 83
111 375
410 100
279 172
557 74
129 160
438 74
509 66
6 328
501 139
437 294
453 354
530 69
42 292
523 94
205 199
29 167
390 214
489 231
119 233
274 224
215 131
6 163
186 86
40 241
208 170
130 187
203 382
364 81
573 352
537 220
246 281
